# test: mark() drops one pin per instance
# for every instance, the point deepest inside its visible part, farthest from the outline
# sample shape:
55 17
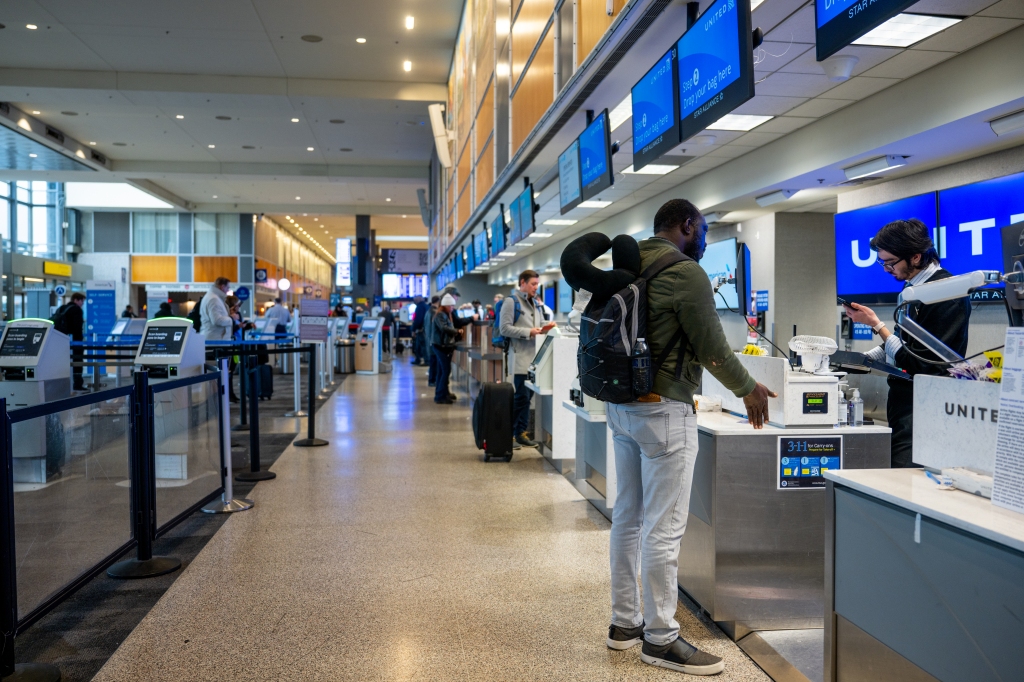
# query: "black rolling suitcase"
492 421
266 382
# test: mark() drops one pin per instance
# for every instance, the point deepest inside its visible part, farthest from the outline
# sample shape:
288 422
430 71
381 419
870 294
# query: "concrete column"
364 275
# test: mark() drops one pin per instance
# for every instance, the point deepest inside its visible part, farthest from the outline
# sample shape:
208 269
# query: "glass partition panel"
71 494
187 443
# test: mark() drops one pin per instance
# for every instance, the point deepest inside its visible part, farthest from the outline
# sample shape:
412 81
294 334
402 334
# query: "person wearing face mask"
906 252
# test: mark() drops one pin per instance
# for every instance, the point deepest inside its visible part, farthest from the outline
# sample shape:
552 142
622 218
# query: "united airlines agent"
906 252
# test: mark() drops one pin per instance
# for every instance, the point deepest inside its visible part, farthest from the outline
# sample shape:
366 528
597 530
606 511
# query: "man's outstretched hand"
756 403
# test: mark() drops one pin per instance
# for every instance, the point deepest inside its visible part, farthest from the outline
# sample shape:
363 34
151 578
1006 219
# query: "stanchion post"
311 440
227 503
242 425
249 363
297 411
143 490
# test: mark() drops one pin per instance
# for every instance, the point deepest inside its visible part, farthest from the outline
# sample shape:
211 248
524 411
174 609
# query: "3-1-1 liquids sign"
803 461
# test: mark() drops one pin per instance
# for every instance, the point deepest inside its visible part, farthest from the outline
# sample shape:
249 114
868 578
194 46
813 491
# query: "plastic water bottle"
856 409
842 409
641 356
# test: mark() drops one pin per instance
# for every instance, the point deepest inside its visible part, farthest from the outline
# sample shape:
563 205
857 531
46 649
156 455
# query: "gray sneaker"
682 657
620 638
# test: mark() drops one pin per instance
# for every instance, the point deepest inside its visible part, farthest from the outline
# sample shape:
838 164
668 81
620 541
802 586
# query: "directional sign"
319 294
261 275
242 293
307 290
60 290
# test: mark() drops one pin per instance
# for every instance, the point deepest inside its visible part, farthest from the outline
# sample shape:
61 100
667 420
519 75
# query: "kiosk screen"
22 342
163 341
370 325
803 460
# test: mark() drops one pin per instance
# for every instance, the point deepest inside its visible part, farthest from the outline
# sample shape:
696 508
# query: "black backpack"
607 336
58 318
194 315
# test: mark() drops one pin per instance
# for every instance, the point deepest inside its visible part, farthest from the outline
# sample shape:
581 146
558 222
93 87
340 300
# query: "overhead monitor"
859 278
569 187
498 232
596 172
22 342
459 263
526 224
515 223
480 246
655 100
720 261
343 268
346 300
161 341
390 285
471 254
839 22
716 66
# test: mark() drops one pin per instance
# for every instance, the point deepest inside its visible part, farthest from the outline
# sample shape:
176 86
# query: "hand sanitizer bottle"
842 409
856 409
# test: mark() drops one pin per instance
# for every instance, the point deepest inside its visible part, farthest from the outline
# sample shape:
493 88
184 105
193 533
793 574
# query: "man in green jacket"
655 443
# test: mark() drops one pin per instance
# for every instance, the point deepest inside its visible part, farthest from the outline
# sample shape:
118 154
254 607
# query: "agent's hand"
756 403
535 331
861 313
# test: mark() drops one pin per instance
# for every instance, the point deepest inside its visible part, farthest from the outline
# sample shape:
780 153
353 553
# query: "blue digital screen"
471 255
569 189
497 235
709 56
595 157
858 277
515 231
971 219
526 225
803 460
549 295
655 118
480 247
839 22
720 260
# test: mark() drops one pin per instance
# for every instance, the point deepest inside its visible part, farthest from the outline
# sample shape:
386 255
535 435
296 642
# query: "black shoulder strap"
679 337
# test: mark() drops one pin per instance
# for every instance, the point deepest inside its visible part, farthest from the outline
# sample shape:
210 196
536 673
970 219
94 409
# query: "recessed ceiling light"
295 120
287 217
651 169
304 215
179 116
33 156
212 146
540 235
360 40
874 166
407 65
36 113
31 27
560 221
388 199
410 22
740 122
310 38
214 196
309 149
298 198
93 144
507 253
593 203
316 220
903 30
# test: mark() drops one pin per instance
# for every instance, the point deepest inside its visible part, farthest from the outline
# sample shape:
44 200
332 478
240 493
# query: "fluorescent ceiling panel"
740 122
594 203
651 169
621 113
560 221
400 238
903 30
109 195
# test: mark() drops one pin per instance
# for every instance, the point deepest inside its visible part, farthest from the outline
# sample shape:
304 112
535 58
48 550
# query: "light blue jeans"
655 451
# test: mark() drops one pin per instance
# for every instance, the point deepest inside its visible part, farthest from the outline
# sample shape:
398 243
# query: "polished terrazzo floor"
395 553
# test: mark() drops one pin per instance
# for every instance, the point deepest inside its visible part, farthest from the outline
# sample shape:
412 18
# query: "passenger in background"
129 313
420 314
215 320
278 318
428 335
165 310
390 331
447 332
906 252
522 320
69 319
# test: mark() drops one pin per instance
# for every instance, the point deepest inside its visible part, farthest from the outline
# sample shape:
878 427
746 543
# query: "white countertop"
580 412
537 389
913 490
727 423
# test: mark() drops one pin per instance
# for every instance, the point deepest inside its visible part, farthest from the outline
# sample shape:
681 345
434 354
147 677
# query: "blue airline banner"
595 161
972 218
515 232
655 121
101 310
839 22
858 277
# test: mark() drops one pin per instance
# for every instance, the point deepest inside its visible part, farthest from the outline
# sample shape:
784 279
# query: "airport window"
216 234
154 232
35 219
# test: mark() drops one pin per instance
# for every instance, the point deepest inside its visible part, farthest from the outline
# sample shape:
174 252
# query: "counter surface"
913 490
729 424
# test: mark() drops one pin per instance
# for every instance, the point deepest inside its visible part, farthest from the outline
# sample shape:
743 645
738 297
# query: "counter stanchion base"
228 506
254 476
34 672
297 413
143 568
310 442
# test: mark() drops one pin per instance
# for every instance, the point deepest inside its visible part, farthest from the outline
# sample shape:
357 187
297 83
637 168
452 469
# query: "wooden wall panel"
526 31
535 92
465 171
484 171
156 269
209 268
484 120
592 21
483 46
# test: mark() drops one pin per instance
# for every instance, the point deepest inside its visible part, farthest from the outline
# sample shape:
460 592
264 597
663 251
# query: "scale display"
163 341
596 157
569 187
716 66
22 342
803 461
655 116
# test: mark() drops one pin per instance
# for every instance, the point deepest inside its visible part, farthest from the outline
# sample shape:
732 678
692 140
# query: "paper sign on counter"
1008 483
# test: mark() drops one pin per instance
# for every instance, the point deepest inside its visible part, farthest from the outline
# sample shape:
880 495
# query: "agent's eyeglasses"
889 265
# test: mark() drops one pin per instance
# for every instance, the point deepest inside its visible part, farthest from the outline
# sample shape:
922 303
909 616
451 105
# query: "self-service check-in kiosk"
171 349
368 346
35 360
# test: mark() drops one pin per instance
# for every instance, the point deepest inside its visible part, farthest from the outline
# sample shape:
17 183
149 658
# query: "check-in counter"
550 378
594 474
922 583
